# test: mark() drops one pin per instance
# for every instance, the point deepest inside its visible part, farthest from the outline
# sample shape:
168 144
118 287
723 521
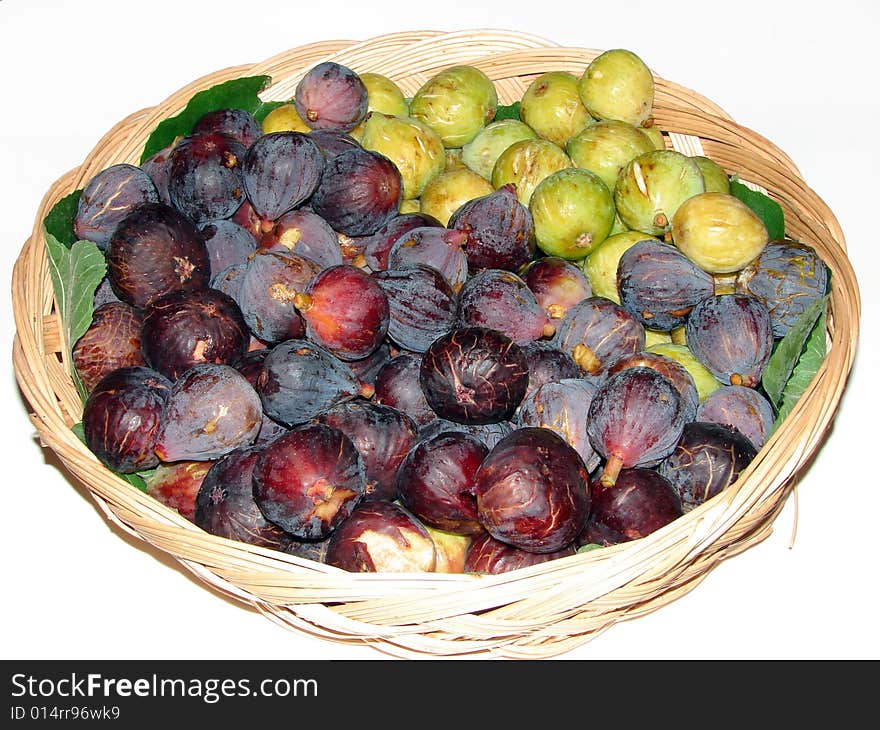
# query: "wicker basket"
535 612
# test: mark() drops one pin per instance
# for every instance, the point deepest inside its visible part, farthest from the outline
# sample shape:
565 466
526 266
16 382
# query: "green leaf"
234 94
806 369
589 547
767 209
511 111
59 221
785 357
76 273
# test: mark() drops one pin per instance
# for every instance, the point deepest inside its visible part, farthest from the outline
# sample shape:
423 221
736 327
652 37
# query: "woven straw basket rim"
537 612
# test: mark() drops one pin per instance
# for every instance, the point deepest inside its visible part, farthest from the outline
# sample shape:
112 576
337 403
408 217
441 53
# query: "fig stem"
611 471
302 302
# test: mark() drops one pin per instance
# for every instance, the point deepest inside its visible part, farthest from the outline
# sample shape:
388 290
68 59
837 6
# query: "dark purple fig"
675 371
204 177
280 171
596 332
236 123
104 293
360 191
487 433
708 459
122 416
331 96
306 234
732 336
367 368
499 228
225 503
659 285
309 480
228 244
112 341
377 246
177 485
635 419
211 410
433 246
157 167
229 280
787 276
315 550
397 384
333 143
301 380
382 537
156 250
251 365
557 284
533 491
107 198
183 329
562 406
436 481
547 363
641 502
474 375
741 408
421 305
267 294
345 311
493 557
382 435
500 300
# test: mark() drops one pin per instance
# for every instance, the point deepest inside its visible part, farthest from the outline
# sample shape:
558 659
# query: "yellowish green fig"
606 147
481 153
552 106
618 85
447 192
526 163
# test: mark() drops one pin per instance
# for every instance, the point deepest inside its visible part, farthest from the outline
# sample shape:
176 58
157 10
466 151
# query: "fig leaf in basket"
76 274
788 358
59 221
234 94
511 111
136 479
808 365
767 209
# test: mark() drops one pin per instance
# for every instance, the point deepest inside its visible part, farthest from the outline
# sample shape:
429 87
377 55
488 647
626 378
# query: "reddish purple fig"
439 248
382 537
499 228
533 491
122 417
488 555
557 284
641 502
236 123
359 192
331 96
436 481
635 419
500 300
741 408
382 435
345 310
309 480
182 329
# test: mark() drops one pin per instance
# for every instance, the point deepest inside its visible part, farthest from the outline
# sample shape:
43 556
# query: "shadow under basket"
537 612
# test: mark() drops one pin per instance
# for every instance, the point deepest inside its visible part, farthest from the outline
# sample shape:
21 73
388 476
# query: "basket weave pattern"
535 612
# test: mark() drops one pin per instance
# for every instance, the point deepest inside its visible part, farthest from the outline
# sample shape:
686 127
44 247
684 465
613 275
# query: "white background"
802 74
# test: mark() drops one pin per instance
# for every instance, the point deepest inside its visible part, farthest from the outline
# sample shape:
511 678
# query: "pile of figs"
401 334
